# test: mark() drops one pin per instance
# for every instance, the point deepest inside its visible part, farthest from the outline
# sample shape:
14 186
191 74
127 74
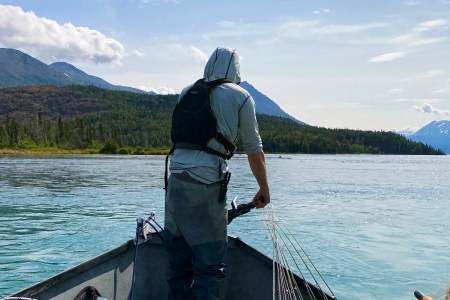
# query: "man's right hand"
261 199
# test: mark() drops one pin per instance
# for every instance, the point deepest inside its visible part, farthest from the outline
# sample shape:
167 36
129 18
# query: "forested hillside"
80 117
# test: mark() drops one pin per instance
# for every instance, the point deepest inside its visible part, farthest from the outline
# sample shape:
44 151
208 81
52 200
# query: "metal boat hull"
249 276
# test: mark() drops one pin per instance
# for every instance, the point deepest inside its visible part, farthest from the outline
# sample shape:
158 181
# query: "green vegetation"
284 135
117 122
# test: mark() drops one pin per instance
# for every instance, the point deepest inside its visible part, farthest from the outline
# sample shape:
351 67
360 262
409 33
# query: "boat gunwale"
74 271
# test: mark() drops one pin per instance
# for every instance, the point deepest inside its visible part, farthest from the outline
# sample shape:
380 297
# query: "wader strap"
226 143
166 172
201 148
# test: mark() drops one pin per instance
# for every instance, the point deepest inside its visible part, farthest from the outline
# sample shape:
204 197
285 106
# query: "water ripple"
375 226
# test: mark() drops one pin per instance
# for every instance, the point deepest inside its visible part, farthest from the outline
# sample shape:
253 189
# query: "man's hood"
223 63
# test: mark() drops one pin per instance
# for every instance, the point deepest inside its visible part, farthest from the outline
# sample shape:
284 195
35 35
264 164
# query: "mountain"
20 69
435 134
76 76
265 105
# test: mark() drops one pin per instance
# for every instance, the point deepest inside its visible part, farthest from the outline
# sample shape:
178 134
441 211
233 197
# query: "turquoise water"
376 227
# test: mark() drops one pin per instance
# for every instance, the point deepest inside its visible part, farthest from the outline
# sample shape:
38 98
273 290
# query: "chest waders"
194 125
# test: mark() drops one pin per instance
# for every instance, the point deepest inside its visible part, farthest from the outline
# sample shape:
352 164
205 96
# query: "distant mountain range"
20 69
435 134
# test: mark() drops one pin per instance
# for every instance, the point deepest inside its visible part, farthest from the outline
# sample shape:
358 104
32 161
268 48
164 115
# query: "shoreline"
59 151
45 151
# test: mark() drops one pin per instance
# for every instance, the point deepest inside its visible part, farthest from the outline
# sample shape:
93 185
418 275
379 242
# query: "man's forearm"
257 163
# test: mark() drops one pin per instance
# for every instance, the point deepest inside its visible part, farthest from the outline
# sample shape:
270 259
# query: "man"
196 209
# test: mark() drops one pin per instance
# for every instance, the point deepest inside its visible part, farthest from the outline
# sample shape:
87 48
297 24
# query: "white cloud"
295 26
430 25
137 53
424 75
415 40
427 108
417 35
321 11
226 24
44 37
197 54
407 130
441 91
346 29
387 57
412 3
395 91
162 90
430 100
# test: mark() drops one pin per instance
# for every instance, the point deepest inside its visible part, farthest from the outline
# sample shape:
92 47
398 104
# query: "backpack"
194 124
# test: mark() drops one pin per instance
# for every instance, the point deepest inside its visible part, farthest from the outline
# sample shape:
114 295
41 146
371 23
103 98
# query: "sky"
357 64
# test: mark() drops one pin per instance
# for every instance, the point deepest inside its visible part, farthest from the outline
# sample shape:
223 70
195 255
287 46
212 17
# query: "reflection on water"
375 226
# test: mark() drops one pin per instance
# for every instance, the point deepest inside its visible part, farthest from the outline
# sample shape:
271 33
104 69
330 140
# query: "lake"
375 226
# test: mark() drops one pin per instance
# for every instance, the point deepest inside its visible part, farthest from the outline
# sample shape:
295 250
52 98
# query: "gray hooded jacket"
234 110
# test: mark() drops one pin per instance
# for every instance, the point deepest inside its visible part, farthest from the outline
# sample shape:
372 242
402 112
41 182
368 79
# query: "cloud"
49 40
415 40
226 24
430 25
407 130
441 91
412 3
424 75
137 53
388 57
430 100
198 54
346 29
417 35
321 11
427 108
395 91
293 27
162 90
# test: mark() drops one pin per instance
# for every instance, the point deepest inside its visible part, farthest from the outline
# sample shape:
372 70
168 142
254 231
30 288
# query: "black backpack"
194 124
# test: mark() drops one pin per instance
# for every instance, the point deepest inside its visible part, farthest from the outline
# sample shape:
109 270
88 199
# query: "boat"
249 275
137 270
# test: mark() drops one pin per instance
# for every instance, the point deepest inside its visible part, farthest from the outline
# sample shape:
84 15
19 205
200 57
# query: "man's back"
234 110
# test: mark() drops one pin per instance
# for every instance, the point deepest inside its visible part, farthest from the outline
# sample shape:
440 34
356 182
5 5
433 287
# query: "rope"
284 282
